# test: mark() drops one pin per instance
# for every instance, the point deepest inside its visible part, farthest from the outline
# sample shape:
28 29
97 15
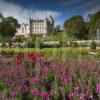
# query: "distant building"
39 26
1 17
23 30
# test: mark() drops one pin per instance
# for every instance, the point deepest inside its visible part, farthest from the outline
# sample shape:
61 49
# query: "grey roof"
38 20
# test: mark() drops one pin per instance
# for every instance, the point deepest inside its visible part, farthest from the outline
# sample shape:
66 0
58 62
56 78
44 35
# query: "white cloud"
91 11
22 14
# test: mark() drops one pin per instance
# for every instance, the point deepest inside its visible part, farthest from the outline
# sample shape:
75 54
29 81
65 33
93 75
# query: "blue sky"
59 9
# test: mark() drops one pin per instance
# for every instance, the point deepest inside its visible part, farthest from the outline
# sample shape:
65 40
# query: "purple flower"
35 92
14 94
24 88
98 88
34 80
85 83
71 95
89 96
1 74
76 87
82 96
45 95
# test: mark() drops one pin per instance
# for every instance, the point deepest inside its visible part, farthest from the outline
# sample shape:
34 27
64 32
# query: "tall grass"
54 53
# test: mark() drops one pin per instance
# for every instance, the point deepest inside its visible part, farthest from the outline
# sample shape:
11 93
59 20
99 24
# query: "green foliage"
68 88
73 44
4 45
49 45
94 24
57 29
55 53
64 43
75 27
30 44
8 27
93 45
48 81
20 38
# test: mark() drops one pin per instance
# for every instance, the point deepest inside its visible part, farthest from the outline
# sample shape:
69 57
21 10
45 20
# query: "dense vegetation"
8 28
38 71
34 77
77 28
58 54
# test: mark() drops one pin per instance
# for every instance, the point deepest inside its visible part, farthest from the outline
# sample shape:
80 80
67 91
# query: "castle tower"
52 23
51 19
1 17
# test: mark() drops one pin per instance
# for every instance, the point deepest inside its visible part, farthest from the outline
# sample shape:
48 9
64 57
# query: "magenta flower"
85 83
24 89
35 92
45 95
75 88
89 96
14 94
82 96
1 74
71 95
98 88
34 80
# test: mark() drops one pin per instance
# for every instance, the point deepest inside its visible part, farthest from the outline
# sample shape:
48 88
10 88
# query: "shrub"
50 45
31 44
73 44
64 43
4 45
93 45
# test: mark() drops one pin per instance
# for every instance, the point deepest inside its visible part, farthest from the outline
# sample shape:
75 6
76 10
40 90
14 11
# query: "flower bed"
32 76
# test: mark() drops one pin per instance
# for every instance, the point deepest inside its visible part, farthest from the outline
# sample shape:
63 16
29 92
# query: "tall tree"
8 27
1 16
13 22
94 24
57 29
76 27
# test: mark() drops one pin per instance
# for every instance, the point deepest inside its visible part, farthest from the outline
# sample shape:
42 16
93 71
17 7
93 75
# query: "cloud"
77 5
83 7
91 11
71 3
23 14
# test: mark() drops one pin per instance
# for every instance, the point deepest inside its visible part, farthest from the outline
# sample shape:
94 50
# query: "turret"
51 19
1 17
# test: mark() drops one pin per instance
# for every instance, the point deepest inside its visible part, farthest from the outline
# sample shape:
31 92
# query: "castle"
40 26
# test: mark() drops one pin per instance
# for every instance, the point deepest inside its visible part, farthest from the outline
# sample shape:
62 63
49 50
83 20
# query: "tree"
94 24
13 22
1 16
8 27
57 29
20 38
76 27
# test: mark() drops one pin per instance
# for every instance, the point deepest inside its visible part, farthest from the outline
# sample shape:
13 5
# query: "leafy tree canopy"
75 27
94 24
8 27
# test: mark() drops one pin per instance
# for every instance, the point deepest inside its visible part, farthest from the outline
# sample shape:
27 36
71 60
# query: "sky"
61 10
